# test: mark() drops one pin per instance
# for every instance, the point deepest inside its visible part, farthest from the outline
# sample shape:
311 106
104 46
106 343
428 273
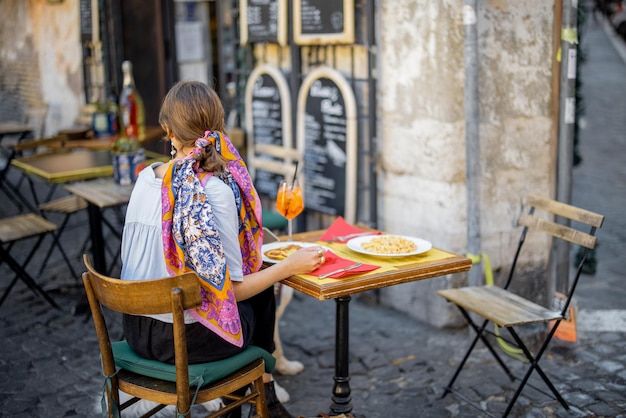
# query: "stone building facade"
421 161
41 79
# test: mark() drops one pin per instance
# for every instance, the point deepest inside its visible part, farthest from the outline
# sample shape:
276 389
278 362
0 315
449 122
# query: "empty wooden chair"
182 384
20 227
505 309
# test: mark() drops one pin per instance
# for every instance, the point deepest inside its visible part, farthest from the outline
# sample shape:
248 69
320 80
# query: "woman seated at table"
200 211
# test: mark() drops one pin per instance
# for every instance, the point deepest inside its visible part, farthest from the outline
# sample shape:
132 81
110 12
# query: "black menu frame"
323 22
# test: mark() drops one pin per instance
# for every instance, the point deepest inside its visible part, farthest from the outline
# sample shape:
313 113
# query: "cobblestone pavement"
49 361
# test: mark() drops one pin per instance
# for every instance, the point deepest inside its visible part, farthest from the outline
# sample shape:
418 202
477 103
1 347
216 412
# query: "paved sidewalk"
49 361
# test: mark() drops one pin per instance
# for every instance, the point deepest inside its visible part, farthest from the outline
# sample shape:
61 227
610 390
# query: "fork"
341 270
349 236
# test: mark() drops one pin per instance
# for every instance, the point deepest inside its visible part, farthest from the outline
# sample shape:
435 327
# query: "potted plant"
128 158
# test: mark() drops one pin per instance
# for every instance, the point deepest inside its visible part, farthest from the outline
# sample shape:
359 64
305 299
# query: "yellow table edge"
445 263
84 174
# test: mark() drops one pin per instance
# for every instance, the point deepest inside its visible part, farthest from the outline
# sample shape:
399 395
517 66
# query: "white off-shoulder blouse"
142 242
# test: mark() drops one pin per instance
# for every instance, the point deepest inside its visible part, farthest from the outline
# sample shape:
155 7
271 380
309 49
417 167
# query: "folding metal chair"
505 309
67 206
13 229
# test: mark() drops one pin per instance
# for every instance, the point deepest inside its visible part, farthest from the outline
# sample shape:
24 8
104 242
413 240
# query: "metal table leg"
341 389
97 238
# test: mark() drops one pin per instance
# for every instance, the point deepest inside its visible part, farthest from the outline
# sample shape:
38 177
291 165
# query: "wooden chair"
505 309
67 206
20 227
182 384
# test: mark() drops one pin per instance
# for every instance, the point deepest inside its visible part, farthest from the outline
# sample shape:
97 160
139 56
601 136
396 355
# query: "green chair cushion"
127 359
273 220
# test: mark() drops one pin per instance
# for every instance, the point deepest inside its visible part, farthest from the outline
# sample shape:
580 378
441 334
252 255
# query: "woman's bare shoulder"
160 170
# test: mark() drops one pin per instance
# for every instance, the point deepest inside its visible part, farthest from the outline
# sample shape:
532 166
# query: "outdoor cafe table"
392 271
66 166
72 166
100 194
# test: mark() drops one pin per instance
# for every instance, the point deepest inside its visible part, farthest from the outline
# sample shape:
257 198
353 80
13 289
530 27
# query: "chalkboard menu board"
268 120
263 21
323 22
86 25
327 137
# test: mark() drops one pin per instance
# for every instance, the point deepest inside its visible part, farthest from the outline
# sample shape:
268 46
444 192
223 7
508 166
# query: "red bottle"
132 112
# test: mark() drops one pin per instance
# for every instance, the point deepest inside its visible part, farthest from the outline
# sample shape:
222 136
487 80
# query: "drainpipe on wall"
567 119
472 137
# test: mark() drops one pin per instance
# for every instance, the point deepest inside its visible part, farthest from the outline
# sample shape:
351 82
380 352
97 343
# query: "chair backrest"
273 158
542 217
569 212
142 297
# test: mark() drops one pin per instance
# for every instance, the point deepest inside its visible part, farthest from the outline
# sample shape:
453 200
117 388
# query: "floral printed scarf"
191 240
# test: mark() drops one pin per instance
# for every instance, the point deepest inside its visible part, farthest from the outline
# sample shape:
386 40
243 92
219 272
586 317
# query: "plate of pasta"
389 245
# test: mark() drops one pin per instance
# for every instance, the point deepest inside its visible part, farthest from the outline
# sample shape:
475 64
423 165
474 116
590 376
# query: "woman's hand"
305 260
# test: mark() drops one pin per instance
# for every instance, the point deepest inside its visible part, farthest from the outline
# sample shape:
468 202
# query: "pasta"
389 244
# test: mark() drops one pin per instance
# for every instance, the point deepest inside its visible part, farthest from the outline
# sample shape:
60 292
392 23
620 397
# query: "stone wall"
423 192
421 114
41 78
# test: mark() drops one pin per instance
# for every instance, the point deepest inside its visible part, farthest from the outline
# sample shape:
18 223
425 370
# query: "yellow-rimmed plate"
356 244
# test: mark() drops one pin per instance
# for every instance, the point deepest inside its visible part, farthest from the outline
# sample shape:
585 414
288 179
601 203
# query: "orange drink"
289 201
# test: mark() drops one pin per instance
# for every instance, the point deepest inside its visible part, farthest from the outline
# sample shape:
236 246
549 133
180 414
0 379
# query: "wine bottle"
132 111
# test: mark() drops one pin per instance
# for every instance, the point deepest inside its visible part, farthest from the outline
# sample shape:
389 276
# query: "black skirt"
154 339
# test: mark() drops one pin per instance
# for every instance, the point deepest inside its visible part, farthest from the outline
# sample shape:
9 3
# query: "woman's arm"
302 261
225 210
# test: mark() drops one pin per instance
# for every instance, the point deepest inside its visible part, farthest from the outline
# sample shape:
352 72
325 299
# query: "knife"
350 267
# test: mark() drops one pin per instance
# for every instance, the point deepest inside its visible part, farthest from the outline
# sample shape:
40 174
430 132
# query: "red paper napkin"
334 262
340 228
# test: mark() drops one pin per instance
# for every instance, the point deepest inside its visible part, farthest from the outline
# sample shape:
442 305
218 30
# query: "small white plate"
278 244
355 244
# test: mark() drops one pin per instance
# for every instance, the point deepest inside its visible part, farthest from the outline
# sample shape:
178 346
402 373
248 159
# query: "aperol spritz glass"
289 202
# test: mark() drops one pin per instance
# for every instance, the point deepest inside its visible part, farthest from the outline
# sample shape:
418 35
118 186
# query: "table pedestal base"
341 389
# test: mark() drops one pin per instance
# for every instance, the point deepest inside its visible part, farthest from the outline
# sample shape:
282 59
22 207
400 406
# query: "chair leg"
32 190
57 243
22 274
534 365
55 239
12 198
8 289
260 403
479 335
15 196
448 387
